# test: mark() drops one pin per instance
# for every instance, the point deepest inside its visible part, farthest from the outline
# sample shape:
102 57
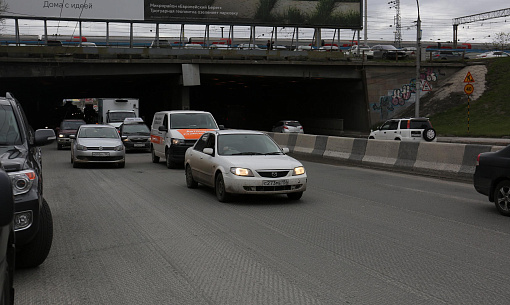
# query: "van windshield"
192 120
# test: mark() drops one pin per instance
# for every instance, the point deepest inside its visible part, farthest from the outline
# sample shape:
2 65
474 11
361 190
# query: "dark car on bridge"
492 178
388 52
7 250
21 158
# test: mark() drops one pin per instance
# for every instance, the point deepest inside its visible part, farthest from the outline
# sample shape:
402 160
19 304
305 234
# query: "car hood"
99 142
256 162
13 158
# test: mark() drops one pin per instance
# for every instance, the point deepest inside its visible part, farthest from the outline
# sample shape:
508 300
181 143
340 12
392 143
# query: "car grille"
97 159
273 174
139 140
273 188
102 148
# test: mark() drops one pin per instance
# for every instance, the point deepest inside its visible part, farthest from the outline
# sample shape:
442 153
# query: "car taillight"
409 124
478 160
285 127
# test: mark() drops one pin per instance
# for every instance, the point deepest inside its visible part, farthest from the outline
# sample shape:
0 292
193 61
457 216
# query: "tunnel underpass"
236 101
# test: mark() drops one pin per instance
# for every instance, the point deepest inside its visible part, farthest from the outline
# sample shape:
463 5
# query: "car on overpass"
492 178
21 158
386 51
493 54
243 162
406 129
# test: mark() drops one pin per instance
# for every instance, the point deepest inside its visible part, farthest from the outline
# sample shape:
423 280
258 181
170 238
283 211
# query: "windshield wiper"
274 153
247 153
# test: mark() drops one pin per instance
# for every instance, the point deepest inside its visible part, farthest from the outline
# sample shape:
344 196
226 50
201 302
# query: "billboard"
345 14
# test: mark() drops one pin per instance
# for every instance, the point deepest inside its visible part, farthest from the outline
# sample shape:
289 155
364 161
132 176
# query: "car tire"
34 253
295 196
429 134
169 163
219 187
59 146
190 181
155 159
502 197
121 164
371 138
7 290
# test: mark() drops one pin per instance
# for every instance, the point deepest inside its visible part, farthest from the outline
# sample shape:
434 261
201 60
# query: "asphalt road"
137 235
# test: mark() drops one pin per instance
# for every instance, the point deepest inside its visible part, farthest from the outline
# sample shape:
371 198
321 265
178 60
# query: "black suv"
20 156
7 255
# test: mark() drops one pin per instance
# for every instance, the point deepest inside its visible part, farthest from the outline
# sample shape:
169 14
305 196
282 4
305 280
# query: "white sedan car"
243 162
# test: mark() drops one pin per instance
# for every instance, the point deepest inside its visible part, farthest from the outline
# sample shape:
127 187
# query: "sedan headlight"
119 147
22 181
81 147
298 171
239 171
60 135
177 141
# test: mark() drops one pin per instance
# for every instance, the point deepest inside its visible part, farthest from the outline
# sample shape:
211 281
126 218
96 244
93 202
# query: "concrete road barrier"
452 160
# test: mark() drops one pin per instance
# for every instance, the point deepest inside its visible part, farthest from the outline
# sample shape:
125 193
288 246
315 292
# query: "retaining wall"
449 160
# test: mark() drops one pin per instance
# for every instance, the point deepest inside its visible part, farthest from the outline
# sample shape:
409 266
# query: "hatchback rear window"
293 124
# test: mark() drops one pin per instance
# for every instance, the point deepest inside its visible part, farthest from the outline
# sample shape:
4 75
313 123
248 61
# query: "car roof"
182 111
96 125
236 131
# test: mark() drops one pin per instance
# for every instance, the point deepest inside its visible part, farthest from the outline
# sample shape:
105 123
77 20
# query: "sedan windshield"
98 132
247 144
138 129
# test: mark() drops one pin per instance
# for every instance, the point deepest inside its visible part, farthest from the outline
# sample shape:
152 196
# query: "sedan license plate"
100 154
139 145
275 182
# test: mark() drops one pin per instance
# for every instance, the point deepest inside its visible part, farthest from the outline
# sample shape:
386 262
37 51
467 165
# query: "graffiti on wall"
405 95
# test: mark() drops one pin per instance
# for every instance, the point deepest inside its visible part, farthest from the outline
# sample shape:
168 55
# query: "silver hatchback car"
97 144
288 126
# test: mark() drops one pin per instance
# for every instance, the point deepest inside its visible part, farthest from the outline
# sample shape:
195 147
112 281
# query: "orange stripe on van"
192 133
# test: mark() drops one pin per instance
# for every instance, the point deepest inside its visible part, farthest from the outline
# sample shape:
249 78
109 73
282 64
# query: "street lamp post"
418 59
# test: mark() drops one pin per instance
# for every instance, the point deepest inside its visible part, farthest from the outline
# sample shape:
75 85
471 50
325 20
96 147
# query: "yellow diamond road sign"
469 78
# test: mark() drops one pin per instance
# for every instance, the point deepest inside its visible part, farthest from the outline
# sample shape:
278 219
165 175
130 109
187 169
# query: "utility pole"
418 59
396 21
365 27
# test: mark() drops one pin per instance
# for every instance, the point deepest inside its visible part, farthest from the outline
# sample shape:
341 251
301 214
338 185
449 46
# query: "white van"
173 132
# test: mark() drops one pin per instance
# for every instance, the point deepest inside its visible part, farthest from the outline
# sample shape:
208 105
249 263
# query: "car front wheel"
34 253
220 189
155 159
502 197
190 181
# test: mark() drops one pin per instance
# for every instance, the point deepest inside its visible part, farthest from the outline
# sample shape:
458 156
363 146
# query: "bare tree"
501 41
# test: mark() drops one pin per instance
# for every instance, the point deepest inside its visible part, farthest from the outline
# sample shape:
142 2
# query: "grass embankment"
489 116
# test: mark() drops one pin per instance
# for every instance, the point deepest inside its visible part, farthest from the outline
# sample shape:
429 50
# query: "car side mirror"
222 127
208 151
44 136
285 150
162 128
6 199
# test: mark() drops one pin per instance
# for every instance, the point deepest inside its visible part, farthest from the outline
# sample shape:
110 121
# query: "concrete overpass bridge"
328 92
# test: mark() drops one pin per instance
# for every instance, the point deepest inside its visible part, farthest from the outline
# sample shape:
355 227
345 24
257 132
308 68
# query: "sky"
436 19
